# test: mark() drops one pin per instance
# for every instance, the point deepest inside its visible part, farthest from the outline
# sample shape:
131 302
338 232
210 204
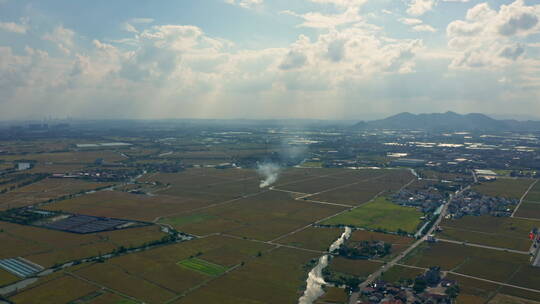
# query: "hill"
448 121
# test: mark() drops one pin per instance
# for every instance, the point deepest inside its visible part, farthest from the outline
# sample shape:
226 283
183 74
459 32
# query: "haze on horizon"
323 59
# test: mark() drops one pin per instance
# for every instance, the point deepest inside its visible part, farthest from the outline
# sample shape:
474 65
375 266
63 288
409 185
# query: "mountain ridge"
448 121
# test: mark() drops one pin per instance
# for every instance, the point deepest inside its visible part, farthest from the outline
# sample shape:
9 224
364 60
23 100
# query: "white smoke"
344 236
315 280
270 173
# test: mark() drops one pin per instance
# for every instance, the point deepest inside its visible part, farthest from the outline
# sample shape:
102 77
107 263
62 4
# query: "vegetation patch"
203 266
380 214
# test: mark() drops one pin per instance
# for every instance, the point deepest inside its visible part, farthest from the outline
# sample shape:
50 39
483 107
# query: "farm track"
483 246
523 197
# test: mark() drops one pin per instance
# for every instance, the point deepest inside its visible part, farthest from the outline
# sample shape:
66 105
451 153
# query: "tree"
420 285
452 291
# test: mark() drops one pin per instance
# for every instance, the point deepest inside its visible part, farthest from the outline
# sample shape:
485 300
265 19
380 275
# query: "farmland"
274 278
155 275
398 273
203 266
313 238
529 210
358 268
48 247
379 214
483 263
118 204
45 190
61 290
333 295
501 232
7 278
265 216
509 188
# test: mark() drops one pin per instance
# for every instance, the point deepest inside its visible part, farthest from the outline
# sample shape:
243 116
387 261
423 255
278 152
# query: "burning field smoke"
270 173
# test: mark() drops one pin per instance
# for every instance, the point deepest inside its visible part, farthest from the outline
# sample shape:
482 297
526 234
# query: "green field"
379 214
203 266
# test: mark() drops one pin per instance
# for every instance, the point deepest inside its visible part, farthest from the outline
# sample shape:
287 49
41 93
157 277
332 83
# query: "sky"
260 59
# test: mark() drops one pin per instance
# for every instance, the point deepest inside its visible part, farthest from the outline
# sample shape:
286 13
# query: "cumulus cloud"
326 21
424 28
490 39
18 28
62 37
411 21
418 25
420 7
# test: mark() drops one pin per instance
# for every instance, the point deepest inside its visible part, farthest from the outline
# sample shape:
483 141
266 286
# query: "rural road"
371 278
537 258
523 197
483 246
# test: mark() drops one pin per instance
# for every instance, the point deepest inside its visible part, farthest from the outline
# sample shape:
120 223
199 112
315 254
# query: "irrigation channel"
315 280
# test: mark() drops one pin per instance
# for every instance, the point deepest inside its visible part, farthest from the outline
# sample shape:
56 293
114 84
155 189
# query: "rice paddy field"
509 188
333 295
504 232
7 278
398 273
193 272
63 289
358 268
49 247
265 216
495 265
314 238
379 214
45 190
529 210
476 291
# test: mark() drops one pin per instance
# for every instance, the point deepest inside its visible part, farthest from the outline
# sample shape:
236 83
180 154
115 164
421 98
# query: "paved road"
536 261
483 246
354 297
523 197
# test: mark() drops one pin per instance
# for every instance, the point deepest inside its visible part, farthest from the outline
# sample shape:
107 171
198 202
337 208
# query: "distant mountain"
448 121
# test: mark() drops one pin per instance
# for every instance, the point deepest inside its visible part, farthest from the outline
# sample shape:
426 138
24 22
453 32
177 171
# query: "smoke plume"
270 173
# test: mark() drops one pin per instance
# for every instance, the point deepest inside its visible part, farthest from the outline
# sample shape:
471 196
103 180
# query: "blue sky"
329 59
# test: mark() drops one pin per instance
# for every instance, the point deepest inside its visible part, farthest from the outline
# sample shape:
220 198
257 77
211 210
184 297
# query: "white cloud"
62 37
18 28
245 3
424 28
128 27
141 20
410 21
420 7
342 3
491 39
325 21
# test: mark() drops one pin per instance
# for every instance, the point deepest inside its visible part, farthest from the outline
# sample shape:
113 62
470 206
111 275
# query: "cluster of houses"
428 200
434 290
474 203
